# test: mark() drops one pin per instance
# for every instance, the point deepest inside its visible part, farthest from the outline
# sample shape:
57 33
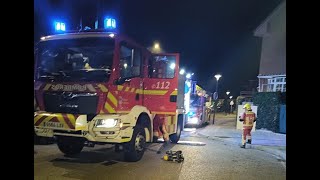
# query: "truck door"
130 91
160 87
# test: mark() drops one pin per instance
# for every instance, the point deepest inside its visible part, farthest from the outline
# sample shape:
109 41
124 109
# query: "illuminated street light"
182 71
215 96
156 46
231 97
228 92
188 76
217 76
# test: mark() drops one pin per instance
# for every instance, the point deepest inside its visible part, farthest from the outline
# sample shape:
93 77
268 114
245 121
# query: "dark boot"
243 146
249 141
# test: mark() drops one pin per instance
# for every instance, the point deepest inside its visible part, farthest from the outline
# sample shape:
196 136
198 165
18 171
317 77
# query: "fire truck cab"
101 87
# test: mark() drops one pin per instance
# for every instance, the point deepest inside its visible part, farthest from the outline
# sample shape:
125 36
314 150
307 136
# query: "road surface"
204 159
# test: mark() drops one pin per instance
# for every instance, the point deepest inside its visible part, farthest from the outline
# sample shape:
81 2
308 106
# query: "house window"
277 84
278 87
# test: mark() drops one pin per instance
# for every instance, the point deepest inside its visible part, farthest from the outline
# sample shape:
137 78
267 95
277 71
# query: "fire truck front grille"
68 102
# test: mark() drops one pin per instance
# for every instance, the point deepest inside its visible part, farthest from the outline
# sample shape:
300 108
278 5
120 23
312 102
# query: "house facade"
272 70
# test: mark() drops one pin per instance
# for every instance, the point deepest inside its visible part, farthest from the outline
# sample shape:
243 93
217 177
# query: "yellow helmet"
247 106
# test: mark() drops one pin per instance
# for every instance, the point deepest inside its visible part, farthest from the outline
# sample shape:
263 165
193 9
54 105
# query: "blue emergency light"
109 23
60 26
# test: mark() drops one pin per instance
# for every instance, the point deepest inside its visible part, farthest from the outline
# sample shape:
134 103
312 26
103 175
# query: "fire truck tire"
134 150
70 145
174 138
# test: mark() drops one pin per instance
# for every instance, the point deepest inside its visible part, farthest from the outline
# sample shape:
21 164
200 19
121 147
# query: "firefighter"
164 131
160 128
248 118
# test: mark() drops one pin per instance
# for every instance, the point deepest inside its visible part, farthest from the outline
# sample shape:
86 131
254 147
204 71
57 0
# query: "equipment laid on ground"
175 156
164 146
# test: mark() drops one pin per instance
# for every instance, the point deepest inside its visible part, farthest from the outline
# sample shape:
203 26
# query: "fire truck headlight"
106 123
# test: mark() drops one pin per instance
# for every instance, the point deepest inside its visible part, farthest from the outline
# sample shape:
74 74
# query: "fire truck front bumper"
102 128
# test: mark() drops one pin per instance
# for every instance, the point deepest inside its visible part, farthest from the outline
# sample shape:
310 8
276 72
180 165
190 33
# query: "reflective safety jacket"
248 119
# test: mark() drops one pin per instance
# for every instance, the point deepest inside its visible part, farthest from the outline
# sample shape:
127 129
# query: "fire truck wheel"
70 145
134 149
174 138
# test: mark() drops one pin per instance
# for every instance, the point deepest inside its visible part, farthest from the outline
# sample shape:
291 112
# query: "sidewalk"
224 129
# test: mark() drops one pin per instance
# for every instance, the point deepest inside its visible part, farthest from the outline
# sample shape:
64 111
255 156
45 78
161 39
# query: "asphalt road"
204 159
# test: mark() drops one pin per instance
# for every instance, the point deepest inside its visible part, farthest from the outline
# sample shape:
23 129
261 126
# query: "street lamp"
228 92
182 71
217 76
156 48
188 76
231 104
215 97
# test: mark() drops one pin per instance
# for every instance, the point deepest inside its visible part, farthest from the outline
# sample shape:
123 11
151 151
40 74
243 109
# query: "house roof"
260 30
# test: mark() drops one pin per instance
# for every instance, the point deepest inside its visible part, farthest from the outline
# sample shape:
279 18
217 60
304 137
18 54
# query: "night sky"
212 36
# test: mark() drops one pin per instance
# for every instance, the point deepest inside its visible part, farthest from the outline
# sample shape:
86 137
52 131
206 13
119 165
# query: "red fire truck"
100 87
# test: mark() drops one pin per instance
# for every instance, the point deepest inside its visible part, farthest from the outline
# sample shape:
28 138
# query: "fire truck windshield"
79 59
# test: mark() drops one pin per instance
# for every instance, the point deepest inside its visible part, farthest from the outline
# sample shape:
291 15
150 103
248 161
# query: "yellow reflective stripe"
174 119
155 92
46 87
169 120
175 92
109 108
120 88
170 128
173 127
125 140
61 120
139 91
81 127
71 118
91 88
127 88
132 90
112 99
103 88
160 112
37 118
48 118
